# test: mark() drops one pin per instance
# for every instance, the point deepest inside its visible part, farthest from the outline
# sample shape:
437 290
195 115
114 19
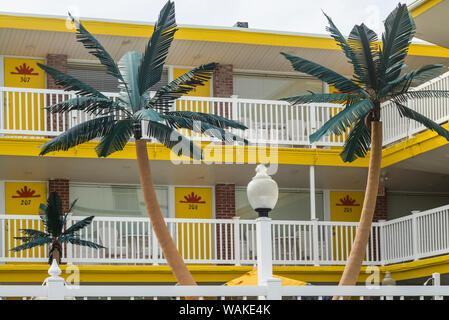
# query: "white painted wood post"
2 110
437 282
235 110
264 250
415 236
315 242
274 289
155 247
381 242
237 240
55 284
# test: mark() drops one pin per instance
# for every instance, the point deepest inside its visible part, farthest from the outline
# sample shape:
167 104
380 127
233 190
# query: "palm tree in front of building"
54 235
378 78
138 112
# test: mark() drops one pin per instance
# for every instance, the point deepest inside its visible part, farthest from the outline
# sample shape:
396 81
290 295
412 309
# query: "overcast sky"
302 16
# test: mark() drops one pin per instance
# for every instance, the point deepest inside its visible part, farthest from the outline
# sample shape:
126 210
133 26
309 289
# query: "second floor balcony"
271 122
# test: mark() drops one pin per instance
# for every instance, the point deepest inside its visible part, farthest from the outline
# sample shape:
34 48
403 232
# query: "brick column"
61 186
223 87
224 209
59 62
223 84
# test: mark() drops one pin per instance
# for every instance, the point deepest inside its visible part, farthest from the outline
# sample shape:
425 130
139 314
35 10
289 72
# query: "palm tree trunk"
174 259
358 250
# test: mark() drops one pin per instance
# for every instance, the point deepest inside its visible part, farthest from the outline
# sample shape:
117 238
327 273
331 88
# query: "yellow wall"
199 91
24 73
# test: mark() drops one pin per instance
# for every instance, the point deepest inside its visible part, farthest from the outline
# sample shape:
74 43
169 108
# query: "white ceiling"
37 43
409 175
432 25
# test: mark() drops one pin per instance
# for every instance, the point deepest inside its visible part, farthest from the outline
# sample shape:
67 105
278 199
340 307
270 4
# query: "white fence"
396 128
23 113
55 288
225 241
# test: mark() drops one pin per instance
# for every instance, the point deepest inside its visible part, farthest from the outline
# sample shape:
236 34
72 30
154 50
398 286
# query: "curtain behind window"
114 200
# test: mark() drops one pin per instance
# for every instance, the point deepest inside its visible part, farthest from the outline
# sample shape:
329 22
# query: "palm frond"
147 114
411 114
93 105
340 82
363 42
212 119
150 70
173 140
129 89
116 139
419 94
340 98
178 122
96 49
358 142
79 134
165 96
34 233
70 83
343 43
343 119
72 205
78 226
54 214
404 82
396 39
75 240
31 244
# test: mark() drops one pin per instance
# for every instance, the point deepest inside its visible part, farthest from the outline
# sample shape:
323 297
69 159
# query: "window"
98 78
268 87
291 205
114 200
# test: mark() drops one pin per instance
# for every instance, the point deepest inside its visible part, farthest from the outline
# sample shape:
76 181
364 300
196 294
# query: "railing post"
2 110
315 244
154 247
274 289
381 242
234 108
237 241
415 236
68 246
264 250
437 282
55 284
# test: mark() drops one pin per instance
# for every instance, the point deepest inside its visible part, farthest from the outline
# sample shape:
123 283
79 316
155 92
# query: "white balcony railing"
23 113
132 240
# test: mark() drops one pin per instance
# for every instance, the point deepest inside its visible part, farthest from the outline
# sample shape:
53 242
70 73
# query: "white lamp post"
263 194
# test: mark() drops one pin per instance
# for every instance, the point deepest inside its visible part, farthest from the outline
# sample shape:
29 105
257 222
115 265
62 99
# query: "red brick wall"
223 85
380 213
61 186
224 209
59 62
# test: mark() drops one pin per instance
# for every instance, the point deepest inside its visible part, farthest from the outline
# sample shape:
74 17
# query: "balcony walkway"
274 122
233 242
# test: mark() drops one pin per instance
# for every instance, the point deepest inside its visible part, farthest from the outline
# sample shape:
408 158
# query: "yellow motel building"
205 204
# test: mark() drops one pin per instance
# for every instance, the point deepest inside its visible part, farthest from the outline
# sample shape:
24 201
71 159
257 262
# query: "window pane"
272 88
291 205
114 200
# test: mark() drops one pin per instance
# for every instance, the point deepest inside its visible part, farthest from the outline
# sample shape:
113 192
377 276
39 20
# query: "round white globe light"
262 191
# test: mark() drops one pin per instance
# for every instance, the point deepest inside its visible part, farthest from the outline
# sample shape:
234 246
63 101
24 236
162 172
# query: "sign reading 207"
25 194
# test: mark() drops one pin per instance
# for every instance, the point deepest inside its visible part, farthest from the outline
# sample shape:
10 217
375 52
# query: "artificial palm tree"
377 78
54 221
116 122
